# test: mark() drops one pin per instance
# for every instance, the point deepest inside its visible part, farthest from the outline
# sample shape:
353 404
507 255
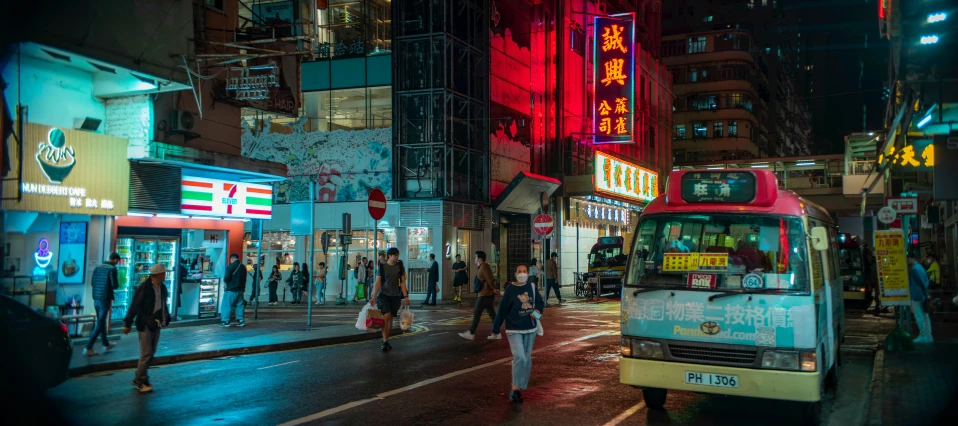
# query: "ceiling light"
937 17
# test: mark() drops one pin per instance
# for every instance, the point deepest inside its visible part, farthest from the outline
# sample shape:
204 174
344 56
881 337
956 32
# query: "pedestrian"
149 313
304 287
389 292
255 293
460 277
432 282
105 281
369 276
918 286
294 280
934 270
485 283
534 272
321 284
274 278
552 277
235 279
520 307
360 273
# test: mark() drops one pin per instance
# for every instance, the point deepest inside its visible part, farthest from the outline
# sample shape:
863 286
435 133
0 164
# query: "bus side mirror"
819 238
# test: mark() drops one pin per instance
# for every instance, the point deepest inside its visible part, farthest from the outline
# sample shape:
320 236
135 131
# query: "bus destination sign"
718 187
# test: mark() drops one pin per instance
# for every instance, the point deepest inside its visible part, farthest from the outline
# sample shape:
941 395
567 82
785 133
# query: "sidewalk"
920 387
183 344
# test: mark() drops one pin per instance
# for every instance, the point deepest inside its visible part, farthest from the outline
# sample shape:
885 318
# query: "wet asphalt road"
430 377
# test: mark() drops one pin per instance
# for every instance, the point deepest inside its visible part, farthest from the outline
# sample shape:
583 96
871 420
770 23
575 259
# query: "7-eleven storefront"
190 219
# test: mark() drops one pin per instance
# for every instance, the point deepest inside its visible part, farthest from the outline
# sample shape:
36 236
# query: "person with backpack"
294 280
520 309
484 284
235 279
105 281
274 278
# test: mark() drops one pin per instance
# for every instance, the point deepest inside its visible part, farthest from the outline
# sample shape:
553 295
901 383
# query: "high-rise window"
733 128
717 129
699 131
697 44
707 19
679 132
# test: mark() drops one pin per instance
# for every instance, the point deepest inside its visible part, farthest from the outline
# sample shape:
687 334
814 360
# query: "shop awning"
524 193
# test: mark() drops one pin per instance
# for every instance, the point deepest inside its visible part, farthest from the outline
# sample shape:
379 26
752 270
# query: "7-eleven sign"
214 197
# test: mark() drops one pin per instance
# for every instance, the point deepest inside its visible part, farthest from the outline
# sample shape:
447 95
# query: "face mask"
522 278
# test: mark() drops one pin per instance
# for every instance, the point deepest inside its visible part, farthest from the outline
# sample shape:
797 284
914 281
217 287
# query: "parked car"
37 348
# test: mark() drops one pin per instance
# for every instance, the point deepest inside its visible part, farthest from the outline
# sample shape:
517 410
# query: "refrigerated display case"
137 256
209 297
124 269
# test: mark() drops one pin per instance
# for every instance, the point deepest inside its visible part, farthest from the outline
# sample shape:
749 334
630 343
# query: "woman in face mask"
520 308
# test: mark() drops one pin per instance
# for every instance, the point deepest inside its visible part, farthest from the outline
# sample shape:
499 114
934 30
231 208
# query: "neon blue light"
929 39
924 121
937 17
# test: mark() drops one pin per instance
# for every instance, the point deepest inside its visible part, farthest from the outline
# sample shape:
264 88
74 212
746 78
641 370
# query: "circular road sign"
376 204
543 224
886 215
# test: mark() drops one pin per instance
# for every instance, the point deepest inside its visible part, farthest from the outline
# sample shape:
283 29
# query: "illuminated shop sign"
918 156
70 171
220 198
622 179
611 214
43 255
614 82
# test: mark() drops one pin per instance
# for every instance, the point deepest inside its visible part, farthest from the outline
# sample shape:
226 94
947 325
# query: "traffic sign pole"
376 204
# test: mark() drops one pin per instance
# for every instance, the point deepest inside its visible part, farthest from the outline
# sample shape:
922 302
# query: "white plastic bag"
539 330
405 318
361 322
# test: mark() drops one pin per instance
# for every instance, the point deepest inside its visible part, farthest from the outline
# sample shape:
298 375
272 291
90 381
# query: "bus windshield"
607 257
851 260
719 252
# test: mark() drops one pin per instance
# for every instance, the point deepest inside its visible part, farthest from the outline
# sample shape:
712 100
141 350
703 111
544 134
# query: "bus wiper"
750 292
647 290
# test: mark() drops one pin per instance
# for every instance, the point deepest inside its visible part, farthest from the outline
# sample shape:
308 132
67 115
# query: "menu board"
892 268
718 187
72 259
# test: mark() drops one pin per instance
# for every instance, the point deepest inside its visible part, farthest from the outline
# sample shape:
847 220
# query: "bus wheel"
812 413
655 397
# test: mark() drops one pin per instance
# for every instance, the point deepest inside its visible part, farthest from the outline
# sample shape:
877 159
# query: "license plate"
707 379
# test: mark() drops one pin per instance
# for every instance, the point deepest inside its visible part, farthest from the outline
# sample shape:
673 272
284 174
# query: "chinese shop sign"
892 267
613 81
718 187
918 156
622 179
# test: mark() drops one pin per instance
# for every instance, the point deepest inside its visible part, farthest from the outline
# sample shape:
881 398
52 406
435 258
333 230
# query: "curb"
196 356
876 389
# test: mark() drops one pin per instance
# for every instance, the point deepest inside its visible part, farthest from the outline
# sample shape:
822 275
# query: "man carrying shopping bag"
389 292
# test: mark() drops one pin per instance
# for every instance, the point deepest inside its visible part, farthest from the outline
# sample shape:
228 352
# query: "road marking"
277 365
384 395
626 414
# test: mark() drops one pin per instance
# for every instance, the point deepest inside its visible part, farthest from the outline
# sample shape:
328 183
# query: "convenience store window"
278 248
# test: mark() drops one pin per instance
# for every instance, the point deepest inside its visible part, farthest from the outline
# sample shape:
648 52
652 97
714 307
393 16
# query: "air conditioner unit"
182 121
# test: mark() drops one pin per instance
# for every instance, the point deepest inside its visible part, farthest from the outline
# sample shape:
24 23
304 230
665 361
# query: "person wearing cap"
149 313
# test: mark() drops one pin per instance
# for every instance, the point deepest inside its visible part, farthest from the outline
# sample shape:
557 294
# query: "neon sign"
43 256
614 82
622 179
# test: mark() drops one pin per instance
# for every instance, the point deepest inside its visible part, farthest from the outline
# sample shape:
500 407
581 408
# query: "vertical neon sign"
613 56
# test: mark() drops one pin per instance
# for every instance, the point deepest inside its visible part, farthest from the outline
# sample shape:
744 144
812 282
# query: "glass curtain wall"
350 28
349 109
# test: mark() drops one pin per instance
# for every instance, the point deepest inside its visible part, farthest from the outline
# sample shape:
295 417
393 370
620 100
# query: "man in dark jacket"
432 289
487 297
150 313
235 280
105 281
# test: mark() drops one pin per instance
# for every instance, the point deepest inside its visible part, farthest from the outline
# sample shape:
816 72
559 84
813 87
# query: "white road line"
277 365
626 414
384 395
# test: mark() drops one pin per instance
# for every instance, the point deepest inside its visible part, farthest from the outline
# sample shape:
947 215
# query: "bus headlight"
638 348
790 360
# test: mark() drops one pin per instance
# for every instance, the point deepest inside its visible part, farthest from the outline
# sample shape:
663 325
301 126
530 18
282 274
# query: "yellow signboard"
892 268
715 262
69 171
680 262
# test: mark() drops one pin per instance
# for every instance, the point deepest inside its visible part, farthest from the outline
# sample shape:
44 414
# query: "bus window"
724 252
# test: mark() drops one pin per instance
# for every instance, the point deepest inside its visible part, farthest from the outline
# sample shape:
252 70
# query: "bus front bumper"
772 384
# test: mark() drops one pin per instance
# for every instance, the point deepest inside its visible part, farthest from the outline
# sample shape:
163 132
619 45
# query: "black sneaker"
224 324
386 346
514 397
241 323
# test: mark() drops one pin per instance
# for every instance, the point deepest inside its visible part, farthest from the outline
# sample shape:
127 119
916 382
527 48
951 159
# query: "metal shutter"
155 188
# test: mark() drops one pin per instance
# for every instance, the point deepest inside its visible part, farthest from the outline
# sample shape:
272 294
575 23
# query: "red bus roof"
768 198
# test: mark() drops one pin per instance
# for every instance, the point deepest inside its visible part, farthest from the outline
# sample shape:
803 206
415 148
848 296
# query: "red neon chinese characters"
613 72
612 39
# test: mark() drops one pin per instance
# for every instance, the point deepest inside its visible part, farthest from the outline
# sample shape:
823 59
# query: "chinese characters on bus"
720 187
614 82
623 179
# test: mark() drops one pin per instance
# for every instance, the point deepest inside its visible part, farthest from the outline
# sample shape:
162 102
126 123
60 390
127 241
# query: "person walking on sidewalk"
521 306
149 313
294 280
235 279
432 282
105 281
360 274
255 287
461 277
485 283
274 278
369 276
534 272
918 286
552 277
389 292
320 284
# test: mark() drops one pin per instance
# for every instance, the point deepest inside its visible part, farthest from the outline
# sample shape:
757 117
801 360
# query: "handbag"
539 330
